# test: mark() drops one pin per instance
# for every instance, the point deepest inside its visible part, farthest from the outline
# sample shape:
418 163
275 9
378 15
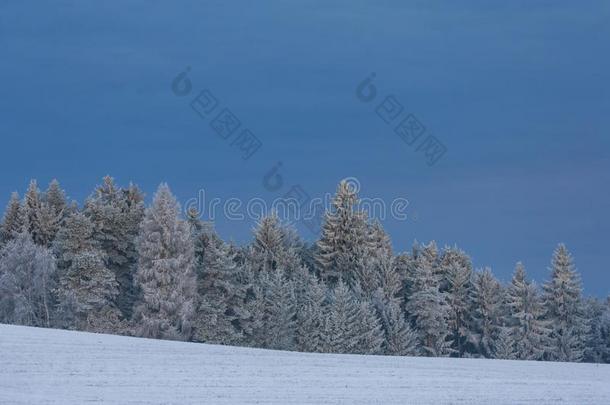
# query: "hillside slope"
62 367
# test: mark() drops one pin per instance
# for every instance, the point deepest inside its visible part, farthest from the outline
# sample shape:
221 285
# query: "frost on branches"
116 266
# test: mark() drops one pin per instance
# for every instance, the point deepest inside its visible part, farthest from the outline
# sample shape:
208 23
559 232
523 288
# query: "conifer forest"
114 265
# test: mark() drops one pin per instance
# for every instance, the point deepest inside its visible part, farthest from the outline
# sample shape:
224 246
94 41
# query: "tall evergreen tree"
220 295
86 288
280 311
13 220
597 345
448 260
341 328
564 309
116 214
379 239
369 330
428 308
459 297
272 246
311 315
527 329
400 338
31 206
344 244
388 279
487 317
56 198
166 271
49 214
504 347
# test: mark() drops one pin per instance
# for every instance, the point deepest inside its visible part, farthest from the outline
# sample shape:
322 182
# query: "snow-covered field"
61 367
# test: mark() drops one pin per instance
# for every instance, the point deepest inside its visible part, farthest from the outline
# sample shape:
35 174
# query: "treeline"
115 266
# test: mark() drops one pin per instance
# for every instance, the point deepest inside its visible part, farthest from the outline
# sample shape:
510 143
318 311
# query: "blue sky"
519 93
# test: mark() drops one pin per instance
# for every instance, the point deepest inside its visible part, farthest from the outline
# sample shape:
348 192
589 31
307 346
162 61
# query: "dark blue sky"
518 92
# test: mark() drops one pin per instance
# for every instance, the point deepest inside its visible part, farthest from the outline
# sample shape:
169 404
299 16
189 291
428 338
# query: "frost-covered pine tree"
55 197
528 331
504 345
26 282
400 338
49 214
272 247
428 252
379 239
74 237
116 214
597 345
427 307
388 279
268 243
87 292
31 206
13 220
341 326
448 259
564 309
370 334
203 234
344 244
280 312
86 288
459 297
221 295
311 315
487 316
166 271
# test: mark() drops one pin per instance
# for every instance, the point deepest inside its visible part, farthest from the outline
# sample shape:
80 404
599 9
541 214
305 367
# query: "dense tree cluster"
114 265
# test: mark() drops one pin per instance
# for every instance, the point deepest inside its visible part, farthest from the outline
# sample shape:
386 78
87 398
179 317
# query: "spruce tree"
220 295
459 297
379 239
504 347
597 344
280 311
369 329
344 244
55 197
448 260
487 315
527 329
13 220
564 309
427 307
116 214
388 279
311 315
272 246
49 214
400 338
166 271
341 330
86 288
31 206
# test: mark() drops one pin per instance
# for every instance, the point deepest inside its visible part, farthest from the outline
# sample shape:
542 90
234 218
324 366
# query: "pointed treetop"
56 197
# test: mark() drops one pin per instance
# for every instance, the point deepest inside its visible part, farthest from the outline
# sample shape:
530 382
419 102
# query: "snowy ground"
60 367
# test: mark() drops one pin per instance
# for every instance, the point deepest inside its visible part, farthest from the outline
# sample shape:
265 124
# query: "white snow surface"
48 366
